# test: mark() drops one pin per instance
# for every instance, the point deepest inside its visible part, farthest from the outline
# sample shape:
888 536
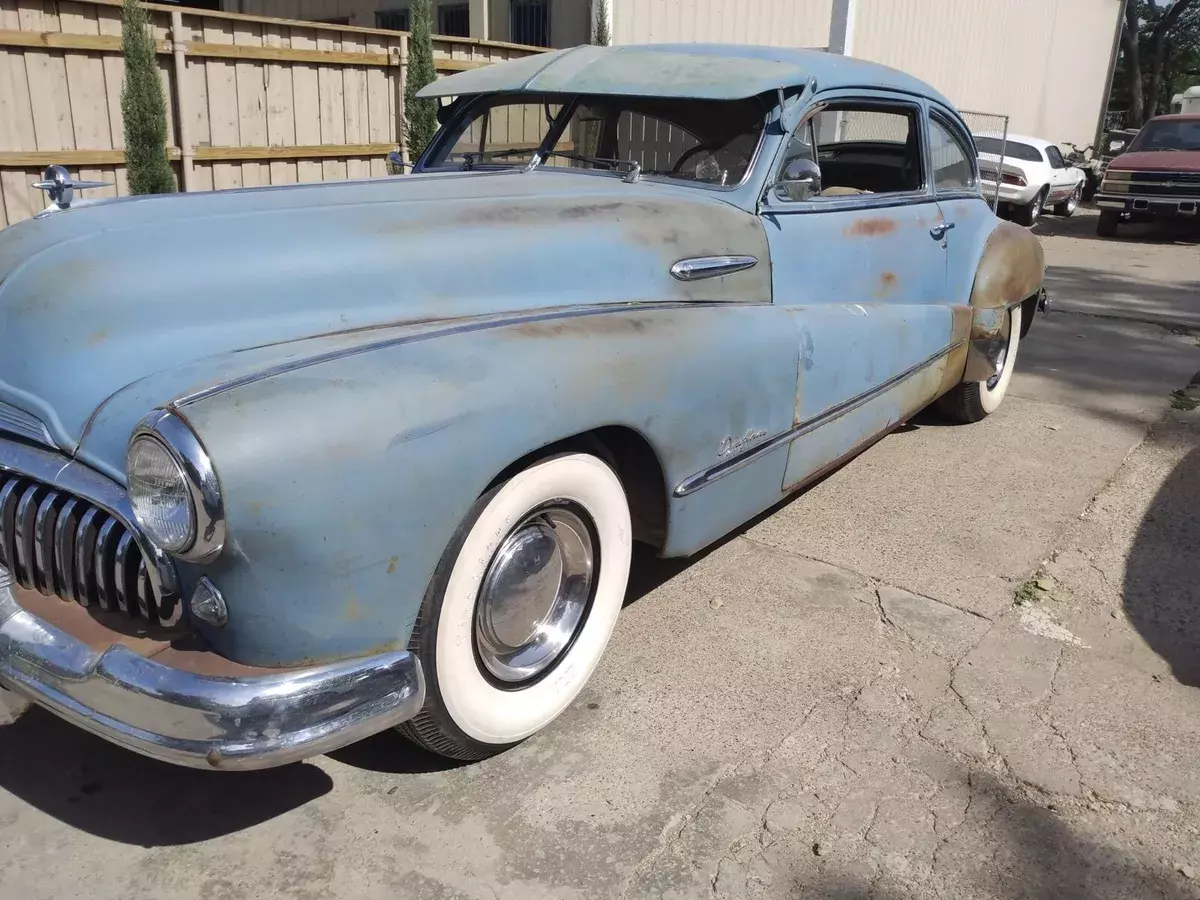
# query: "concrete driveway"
965 665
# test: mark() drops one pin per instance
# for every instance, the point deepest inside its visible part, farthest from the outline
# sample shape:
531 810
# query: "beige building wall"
784 23
1042 62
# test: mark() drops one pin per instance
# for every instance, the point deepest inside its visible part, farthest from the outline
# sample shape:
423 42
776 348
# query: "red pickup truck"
1157 177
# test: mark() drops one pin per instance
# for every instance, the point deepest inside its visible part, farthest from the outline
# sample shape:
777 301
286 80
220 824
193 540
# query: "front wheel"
521 606
972 401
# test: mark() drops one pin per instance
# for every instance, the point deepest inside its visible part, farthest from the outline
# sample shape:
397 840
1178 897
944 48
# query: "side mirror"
800 180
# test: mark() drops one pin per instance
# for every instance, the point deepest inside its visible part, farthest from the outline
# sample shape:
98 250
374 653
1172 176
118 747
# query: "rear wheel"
1030 212
521 606
1109 220
972 401
1067 208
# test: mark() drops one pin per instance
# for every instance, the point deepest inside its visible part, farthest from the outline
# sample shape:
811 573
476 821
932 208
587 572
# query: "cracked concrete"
841 702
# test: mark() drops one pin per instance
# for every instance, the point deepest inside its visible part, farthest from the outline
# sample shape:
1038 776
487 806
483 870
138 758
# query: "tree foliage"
600 35
420 116
1160 56
143 107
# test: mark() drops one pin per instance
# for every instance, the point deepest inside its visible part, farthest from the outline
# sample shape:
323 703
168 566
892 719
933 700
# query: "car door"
1062 180
859 267
967 218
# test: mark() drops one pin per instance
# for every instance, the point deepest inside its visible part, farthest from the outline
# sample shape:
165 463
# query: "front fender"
345 481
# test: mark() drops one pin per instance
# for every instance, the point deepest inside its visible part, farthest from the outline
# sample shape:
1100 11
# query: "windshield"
1168 134
1012 149
707 141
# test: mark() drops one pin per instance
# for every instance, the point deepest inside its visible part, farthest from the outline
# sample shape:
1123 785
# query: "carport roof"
704 71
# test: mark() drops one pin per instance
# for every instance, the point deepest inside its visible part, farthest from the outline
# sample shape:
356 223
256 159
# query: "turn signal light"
1014 179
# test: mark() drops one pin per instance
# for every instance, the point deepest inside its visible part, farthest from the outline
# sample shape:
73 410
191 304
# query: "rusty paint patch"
888 282
1011 268
960 330
871 227
953 366
391 569
988 324
97 337
591 326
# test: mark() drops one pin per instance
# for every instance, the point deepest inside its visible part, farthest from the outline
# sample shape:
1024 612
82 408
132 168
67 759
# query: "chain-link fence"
994 127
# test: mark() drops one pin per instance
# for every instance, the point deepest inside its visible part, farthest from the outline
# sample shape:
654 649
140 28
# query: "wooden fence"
251 100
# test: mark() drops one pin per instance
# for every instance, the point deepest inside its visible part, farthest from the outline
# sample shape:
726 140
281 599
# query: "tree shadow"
1161 591
113 793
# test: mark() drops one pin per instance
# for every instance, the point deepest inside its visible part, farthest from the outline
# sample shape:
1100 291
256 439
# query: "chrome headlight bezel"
175 436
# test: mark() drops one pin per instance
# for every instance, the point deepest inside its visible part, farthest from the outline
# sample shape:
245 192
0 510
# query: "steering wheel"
688 154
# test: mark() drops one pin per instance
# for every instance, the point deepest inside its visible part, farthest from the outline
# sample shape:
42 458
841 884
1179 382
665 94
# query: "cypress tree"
600 35
420 116
142 105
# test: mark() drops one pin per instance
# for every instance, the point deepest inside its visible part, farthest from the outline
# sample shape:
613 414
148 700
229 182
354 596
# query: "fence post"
401 78
183 119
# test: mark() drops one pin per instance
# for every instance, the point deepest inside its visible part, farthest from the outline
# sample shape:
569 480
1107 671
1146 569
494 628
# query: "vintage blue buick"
284 467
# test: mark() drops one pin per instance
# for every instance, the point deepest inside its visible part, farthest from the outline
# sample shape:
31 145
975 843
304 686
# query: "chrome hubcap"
535 594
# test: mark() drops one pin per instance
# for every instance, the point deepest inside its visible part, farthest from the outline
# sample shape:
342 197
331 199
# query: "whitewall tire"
972 401
522 606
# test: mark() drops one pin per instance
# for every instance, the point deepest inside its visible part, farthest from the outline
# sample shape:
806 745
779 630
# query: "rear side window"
952 167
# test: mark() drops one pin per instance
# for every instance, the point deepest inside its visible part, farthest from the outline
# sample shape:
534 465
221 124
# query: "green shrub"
420 116
143 107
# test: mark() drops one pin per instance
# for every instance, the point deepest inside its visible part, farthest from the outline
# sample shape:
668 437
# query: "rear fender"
1011 270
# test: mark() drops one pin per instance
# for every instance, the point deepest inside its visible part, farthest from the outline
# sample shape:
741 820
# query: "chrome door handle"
937 232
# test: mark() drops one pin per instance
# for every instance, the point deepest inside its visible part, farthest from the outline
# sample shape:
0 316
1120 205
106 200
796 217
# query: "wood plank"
442 64
166 79
42 158
331 100
16 195
282 171
354 96
281 116
255 174
309 151
109 22
333 170
222 104
57 40
308 170
358 168
305 93
251 90
8 15
86 81
98 175
378 85
325 57
378 167
16 112
202 177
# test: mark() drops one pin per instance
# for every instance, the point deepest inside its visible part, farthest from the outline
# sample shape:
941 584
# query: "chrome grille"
56 543
22 424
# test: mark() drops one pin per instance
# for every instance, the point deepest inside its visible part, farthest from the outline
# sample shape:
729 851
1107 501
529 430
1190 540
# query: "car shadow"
1161 590
116 794
1083 225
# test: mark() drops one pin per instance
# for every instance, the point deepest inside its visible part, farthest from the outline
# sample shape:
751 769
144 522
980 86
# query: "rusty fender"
1011 270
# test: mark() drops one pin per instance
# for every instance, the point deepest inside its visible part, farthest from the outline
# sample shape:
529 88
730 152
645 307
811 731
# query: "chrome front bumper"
197 720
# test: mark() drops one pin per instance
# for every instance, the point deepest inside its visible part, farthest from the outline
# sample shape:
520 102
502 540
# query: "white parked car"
1033 177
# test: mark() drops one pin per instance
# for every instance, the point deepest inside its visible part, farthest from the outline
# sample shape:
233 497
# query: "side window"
865 148
1055 157
952 166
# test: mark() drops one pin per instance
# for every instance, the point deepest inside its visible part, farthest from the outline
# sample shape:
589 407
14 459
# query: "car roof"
1176 117
702 71
1018 138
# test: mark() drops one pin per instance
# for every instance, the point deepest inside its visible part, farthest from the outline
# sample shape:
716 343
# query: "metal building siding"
1028 59
786 23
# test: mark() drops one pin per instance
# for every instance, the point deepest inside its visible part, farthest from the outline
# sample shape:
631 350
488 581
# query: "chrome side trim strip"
481 323
693 483
701 267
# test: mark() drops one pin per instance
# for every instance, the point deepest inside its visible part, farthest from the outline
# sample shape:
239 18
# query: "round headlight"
160 495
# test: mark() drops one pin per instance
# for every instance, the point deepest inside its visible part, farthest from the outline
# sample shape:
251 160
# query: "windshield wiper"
469 158
635 167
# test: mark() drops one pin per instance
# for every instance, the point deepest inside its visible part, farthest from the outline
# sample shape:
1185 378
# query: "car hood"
1157 161
174 293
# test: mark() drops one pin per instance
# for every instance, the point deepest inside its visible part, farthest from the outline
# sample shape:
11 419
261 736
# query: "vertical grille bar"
43 541
85 556
106 561
9 495
145 593
125 574
26 513
64 549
